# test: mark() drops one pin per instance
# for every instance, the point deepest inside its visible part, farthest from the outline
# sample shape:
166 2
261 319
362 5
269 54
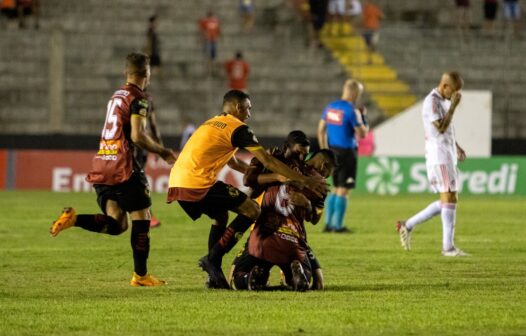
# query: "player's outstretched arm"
143 140
238 165
276 166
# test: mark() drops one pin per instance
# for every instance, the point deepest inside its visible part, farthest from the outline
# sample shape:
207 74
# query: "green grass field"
77 283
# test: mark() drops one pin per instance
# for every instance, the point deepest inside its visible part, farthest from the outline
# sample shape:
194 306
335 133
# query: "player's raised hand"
169 156
461 154
455 98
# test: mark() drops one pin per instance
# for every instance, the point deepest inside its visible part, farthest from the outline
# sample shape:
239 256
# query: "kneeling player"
279 236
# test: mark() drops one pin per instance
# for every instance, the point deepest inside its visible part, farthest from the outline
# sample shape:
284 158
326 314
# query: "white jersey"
440 148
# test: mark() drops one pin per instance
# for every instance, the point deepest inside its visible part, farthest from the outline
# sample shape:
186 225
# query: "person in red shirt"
209 26
118 178
237 70
372 15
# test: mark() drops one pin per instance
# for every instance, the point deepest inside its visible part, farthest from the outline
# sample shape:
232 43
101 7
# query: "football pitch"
78 282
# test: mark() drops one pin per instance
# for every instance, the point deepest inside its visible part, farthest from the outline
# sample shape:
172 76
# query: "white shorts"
443 177
336 7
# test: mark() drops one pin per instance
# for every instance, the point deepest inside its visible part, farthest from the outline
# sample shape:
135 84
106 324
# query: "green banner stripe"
395 175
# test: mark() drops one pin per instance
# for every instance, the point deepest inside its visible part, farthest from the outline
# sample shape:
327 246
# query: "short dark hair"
234 96
297 137
328 155
152 18
137 63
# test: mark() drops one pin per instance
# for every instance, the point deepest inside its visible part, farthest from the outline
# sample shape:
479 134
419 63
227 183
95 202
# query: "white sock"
430 211
449 214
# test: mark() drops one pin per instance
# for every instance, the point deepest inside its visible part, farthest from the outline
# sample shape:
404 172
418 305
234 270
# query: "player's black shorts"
345 173
220 198
132 195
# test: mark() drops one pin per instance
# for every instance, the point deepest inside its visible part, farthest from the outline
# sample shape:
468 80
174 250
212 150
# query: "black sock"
232 234
99 223
216 231
140 243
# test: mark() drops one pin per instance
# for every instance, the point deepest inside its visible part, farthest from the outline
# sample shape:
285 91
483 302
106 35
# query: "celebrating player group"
288 185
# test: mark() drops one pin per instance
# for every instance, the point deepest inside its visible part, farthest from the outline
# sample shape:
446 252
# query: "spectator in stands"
8 10
153 45
354 12
209 26
237 70
463 17
490 13
512 13
19 9
246 7
28 8
337 15
372 14
318 15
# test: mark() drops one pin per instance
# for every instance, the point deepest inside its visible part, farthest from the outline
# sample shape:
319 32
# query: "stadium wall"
65 171
403 135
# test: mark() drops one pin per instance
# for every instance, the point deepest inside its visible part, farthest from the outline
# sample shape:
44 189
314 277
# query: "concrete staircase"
381 81
289 84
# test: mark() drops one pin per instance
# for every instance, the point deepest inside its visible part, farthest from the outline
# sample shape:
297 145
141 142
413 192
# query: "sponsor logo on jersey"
109 147
334 117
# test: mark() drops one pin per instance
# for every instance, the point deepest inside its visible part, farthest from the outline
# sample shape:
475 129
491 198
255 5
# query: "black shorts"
220 198
132 195
345 173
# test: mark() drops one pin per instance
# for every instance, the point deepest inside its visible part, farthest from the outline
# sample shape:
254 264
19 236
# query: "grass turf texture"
77 283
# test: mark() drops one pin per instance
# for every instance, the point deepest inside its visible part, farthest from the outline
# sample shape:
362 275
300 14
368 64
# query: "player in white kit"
442 153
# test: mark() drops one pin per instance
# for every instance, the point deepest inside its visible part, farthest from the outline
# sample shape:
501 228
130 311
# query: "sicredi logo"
385 177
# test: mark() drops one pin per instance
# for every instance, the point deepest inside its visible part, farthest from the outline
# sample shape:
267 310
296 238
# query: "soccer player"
292 152
119 181
279 236
193 179
141 154
442 153
341 123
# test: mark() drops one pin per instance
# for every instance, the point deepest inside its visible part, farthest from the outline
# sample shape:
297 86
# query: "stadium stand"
290 85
